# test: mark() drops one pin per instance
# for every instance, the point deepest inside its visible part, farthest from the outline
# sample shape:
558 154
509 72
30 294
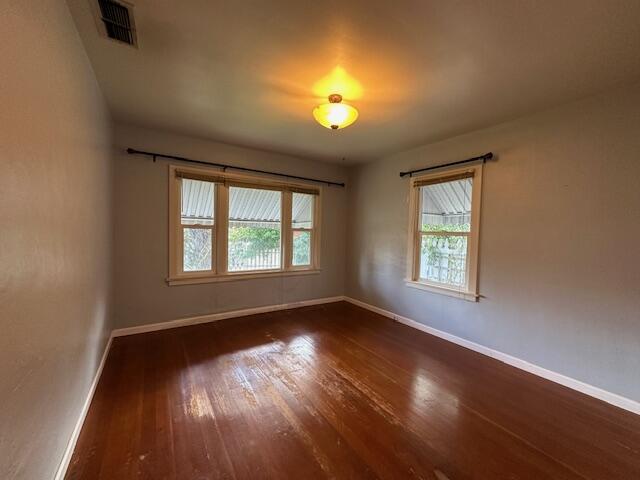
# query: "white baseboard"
596 392
214 317
71 445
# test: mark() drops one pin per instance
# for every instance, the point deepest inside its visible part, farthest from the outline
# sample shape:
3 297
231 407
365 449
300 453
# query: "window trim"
219 271
413 279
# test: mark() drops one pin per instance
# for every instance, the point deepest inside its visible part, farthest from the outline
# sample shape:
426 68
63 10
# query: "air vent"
118 21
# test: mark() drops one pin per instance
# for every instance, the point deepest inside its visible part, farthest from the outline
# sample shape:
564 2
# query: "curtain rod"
133 151
484 158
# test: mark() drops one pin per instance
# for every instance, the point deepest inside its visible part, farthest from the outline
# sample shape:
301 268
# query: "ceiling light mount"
335 114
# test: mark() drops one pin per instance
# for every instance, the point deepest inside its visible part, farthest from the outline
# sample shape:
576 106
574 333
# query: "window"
197 222
227 226
302 228
443 249
254 229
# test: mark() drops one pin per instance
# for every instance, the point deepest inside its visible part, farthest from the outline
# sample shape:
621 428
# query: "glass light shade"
335 115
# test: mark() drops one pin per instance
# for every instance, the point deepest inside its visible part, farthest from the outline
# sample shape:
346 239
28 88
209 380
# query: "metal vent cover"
116 20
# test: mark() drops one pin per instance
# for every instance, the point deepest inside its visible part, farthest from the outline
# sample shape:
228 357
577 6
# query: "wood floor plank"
514 406
388 395
335 391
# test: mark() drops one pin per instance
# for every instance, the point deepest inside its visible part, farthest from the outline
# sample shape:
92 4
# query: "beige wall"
55 236
559 240
141 201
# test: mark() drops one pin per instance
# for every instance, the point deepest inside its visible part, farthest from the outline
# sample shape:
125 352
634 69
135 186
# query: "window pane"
301 248
444 259
446 206
254 229
197 249
302 210
197 202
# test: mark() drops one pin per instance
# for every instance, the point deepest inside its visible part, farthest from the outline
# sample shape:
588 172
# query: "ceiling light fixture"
335 115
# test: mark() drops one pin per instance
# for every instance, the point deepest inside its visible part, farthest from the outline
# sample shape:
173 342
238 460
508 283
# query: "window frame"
470 290
219 272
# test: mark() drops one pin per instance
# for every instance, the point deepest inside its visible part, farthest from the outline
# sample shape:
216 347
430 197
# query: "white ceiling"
244 71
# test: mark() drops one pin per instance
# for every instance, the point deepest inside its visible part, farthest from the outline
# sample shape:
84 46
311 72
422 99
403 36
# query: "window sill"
232 277
469 296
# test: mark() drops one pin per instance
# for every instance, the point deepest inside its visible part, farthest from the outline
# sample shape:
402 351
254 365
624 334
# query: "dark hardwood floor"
335 391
